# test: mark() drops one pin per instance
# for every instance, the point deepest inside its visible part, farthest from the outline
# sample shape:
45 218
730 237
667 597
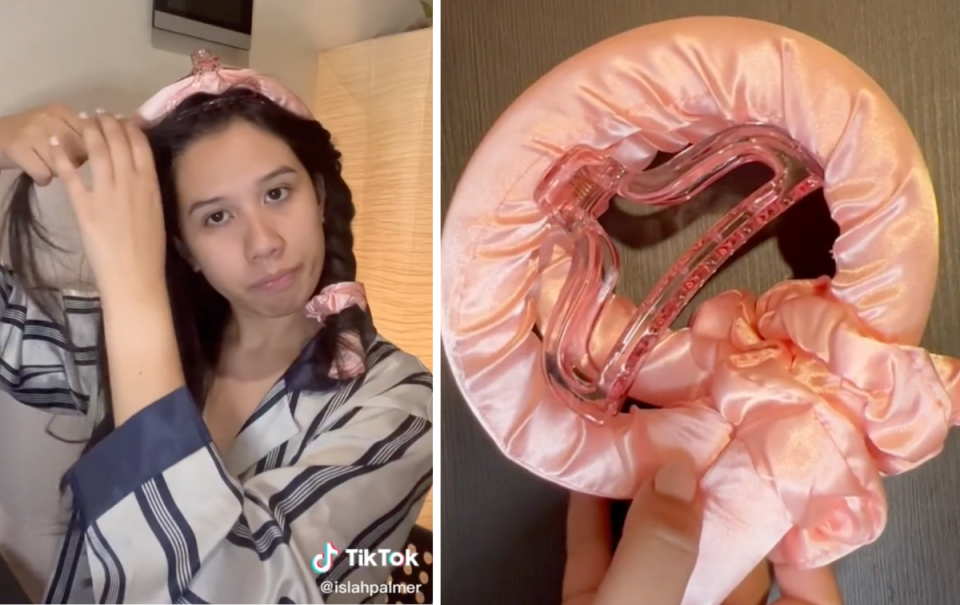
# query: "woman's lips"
277 282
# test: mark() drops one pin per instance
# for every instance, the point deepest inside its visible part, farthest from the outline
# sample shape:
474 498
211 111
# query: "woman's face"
250 219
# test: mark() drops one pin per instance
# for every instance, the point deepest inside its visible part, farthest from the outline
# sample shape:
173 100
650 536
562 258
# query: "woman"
248 413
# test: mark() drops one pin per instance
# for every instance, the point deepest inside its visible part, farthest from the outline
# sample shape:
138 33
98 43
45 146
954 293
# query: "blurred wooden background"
376 97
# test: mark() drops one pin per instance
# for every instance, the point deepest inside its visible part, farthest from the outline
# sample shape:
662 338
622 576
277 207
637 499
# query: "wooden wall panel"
376 97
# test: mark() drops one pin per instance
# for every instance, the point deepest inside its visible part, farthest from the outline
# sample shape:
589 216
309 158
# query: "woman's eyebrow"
198 205
276 172
270 175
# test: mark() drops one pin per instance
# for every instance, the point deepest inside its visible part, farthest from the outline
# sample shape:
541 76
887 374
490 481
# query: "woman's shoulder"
394 379
386 358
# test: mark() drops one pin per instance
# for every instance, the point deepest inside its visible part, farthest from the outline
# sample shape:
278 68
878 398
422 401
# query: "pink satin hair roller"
792 404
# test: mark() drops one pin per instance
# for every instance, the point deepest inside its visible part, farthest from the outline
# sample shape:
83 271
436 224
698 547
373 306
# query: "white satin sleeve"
48 363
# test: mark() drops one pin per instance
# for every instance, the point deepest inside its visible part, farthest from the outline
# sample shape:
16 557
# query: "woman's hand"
658 550
25 140
120 217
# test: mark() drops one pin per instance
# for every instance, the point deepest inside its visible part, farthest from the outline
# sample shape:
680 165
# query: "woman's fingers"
70 119
101 164
588 548
661 539
807 587
68 127
71 145
57 123
121 156
140 148
68 173
30 161
657 554
754 589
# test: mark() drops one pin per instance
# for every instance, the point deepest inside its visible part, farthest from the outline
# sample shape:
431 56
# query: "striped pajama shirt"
160 515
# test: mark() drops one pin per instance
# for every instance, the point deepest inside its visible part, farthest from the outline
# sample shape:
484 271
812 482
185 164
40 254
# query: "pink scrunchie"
332 300
820 407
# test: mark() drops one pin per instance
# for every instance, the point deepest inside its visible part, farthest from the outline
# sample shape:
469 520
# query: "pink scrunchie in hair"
332 300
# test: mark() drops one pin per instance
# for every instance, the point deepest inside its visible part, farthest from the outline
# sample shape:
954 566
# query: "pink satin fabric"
793 404
335 298
218 82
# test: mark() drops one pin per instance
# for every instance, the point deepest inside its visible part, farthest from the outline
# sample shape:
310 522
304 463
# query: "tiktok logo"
323 562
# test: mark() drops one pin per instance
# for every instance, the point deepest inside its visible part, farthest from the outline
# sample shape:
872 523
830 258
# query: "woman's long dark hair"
200 313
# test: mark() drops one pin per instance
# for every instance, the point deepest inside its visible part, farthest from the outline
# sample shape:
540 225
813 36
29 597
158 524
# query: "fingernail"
54 140
119 116
101 110
677 480
83 115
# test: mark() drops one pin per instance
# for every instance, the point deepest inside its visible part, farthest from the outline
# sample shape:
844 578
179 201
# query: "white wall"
98 53
65 51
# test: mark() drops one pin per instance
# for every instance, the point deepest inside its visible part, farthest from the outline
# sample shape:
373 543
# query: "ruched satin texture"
793 403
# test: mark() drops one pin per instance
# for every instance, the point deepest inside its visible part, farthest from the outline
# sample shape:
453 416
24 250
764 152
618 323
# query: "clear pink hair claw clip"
204 61
578 189
792 404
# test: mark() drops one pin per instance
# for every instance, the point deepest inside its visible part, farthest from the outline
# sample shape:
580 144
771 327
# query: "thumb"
661 539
